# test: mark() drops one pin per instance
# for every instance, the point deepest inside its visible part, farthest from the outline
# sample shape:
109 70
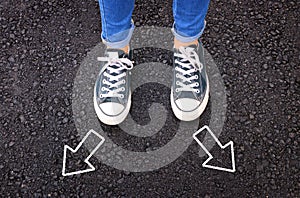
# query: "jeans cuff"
120 44
186 39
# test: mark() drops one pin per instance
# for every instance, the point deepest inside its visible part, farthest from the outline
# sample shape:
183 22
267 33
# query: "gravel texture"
256 47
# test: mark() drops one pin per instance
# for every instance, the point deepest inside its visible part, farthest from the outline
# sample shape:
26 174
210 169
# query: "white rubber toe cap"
187 104
111 108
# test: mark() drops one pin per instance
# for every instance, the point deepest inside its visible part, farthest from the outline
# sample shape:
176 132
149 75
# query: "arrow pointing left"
91 134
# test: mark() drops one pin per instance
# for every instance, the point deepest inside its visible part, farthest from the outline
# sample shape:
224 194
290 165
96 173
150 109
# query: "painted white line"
210 155
91 167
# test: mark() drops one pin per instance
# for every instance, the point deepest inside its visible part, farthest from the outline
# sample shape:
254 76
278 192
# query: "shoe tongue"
188 94
194 46
116 53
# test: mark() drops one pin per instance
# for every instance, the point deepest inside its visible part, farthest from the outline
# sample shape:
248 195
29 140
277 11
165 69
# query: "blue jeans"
117 26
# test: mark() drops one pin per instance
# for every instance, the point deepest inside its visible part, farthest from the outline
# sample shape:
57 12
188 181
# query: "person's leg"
112 95
190 87
189 17
117 26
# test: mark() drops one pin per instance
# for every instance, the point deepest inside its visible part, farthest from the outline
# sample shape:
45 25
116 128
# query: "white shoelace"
188 55
114 90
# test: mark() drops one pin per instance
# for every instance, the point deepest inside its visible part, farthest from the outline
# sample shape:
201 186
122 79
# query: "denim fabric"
117 26
189 19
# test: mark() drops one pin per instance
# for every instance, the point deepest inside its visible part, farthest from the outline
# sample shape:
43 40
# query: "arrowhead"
85 165
231 153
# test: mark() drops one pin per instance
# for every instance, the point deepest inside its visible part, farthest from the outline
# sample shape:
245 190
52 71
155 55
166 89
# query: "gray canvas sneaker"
190 87
112 94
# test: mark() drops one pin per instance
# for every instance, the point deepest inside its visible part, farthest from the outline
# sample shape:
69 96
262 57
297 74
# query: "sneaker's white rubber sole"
191 115
112 120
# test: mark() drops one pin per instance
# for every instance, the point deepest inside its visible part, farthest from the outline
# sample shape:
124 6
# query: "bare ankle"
178 44
125 49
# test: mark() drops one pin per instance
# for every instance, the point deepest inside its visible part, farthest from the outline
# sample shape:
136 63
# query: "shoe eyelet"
123 89
123 81
177 82
101 96
197 84
176 90
177 75
197 91
104 81
102 89
121 96
196 76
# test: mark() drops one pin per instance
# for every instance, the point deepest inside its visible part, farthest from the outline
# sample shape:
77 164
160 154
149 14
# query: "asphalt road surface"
255 45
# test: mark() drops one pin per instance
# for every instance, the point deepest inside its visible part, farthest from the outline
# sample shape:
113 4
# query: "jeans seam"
104 19
175 10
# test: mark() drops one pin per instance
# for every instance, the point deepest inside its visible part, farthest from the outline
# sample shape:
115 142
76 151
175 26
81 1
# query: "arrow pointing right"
205 164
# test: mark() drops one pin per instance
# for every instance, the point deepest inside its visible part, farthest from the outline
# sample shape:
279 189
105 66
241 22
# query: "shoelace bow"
114 81
190 61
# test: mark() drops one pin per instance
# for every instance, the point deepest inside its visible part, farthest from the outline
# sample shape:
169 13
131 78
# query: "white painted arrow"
210 155
91 167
